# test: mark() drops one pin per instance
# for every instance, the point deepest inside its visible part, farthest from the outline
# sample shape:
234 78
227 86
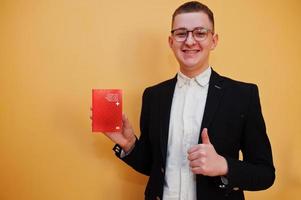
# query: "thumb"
205 137
125 121
127 129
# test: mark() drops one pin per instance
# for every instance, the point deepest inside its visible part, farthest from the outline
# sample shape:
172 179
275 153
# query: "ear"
170 41
214 41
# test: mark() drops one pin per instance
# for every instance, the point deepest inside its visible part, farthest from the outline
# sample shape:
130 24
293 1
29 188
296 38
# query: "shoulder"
237 84
164 86
238 91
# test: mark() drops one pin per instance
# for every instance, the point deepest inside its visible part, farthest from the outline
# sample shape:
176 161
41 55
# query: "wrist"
129 145
224 166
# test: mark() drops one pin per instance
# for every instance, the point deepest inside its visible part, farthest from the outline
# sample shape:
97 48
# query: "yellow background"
53 52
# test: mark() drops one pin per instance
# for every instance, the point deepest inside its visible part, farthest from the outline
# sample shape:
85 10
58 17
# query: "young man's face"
193 55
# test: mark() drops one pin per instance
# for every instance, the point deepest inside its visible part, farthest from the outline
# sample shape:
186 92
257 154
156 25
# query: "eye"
180 33
200 33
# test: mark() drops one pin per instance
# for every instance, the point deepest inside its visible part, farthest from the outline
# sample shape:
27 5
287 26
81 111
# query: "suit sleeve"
140 157
256 171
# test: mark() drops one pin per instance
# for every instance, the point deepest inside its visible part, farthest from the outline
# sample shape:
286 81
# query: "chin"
191 62
190 66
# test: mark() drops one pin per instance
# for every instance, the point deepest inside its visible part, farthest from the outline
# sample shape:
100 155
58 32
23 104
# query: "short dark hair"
194 6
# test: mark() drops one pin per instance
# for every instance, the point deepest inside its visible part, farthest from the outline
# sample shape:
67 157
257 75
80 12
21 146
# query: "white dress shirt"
186 116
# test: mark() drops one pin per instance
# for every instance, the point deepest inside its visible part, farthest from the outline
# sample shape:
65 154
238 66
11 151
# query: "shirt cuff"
124 154
120 152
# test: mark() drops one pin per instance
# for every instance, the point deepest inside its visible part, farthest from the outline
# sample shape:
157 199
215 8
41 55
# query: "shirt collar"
202 79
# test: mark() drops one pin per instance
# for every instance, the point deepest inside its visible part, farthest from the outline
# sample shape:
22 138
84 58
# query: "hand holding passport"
107 117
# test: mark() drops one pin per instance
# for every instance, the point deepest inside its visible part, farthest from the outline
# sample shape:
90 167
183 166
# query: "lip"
190 51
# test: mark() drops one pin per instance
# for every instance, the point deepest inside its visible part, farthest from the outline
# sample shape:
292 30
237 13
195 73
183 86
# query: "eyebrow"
201 27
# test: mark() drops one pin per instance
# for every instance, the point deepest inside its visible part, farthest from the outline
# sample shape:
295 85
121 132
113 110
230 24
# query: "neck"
193 73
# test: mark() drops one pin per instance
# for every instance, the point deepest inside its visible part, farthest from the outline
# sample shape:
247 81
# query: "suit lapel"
214 96
166 96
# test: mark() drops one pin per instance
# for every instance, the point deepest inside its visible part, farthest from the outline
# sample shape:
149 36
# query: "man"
194 125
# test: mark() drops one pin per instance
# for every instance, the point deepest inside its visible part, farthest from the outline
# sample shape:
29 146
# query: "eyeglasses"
199 34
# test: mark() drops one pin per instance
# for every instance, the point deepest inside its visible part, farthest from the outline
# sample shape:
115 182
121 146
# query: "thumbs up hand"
204 160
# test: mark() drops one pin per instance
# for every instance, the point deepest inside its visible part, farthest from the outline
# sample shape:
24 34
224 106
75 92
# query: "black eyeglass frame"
207 31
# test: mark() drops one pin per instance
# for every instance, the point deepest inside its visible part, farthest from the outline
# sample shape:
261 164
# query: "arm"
140 157
256 171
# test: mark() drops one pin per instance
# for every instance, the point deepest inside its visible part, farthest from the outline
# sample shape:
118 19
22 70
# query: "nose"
190 39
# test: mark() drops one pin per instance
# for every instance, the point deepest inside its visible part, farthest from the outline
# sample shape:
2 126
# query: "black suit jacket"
235 123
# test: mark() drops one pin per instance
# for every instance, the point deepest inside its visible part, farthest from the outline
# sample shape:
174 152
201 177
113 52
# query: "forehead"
191 20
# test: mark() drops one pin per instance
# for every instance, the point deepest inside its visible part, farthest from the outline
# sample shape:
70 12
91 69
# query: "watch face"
224 180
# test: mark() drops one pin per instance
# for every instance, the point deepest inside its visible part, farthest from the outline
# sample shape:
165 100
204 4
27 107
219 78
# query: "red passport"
106 110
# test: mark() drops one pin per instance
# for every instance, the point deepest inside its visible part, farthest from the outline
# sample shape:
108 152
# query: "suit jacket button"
157 198
236 188
162 170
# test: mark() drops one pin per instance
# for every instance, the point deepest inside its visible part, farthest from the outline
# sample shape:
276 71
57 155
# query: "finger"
205 137
194 164
198 147
198 162
197 170
196 155
193 149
